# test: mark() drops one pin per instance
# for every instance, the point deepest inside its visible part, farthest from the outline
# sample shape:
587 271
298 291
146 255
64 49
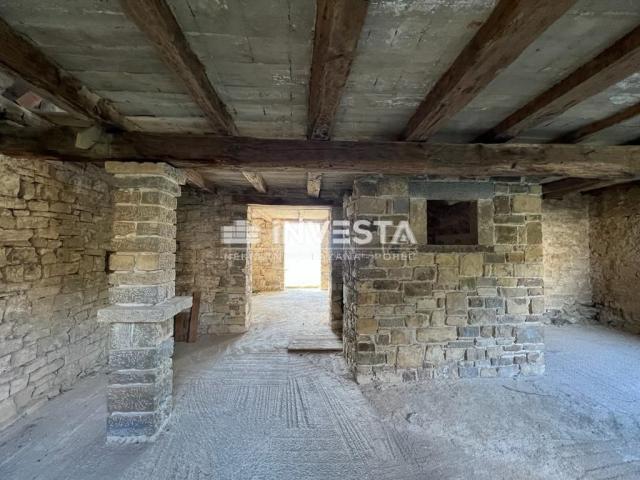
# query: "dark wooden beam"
390 158
611 66
15 113
510 29
285 199
586 131
155 19
338 27
567 186
314 184
393 158
256 180
21 59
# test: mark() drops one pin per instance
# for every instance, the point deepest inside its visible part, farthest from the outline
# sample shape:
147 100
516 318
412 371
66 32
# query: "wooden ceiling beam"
512 26
338 27
314 184
15 113
156 20
256 180
21 59
586 131
567 186
611 66
394 158
390 158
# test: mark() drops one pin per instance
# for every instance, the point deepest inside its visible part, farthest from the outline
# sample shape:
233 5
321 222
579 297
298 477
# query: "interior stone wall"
267 255
615 256
425 311
55 229
567 258
205 263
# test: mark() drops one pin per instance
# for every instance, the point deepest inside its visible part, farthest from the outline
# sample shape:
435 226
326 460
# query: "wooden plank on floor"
315 343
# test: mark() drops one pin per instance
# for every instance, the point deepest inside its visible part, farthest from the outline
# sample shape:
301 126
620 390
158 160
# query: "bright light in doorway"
302 254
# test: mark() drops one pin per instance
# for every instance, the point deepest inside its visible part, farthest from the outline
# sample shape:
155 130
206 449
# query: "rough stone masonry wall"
267 256
204 263
437 311
615 256
55 228
567 259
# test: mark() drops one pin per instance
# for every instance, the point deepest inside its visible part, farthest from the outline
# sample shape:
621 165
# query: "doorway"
302 254
289 272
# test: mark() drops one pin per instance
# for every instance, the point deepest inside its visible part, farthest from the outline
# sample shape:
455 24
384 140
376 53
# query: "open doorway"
302 254
289 272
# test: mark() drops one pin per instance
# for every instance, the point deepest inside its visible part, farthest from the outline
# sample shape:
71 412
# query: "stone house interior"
394 239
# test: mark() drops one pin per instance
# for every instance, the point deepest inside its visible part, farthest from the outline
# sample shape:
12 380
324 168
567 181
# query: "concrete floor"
245 409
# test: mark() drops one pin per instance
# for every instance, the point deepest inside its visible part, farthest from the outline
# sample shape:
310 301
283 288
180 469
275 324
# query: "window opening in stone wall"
452 222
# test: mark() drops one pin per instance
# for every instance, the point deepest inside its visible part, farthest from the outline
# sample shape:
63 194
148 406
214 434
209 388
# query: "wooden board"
315 343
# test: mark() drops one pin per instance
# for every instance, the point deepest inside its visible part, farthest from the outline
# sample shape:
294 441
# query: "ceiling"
258 57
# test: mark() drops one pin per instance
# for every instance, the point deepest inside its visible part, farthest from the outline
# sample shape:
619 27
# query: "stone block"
482 316
526 204
468 372
517 306
366 326
148 294
456 303
417 289
426 274
448 275
436 334
472 265
534 233
138 426
371 206
144 313
506 235
418 219
410 356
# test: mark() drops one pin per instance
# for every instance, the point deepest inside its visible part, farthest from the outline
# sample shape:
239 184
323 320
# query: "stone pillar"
142 294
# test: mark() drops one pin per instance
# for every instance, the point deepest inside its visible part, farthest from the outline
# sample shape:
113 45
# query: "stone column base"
139 394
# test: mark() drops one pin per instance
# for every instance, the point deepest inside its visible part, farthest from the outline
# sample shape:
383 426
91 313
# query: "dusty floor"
245 409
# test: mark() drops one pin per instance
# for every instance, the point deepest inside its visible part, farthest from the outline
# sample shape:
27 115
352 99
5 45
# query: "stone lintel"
144 313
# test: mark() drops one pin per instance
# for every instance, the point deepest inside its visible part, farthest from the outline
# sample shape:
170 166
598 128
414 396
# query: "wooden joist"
314 184
155 19
567 186
15 113
21 59
510 29
611 66
586 131
256 180
338 27
196 179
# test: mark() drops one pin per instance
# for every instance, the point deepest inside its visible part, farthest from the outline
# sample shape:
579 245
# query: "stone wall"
615 256
55 229
426 311
267 256
204 263
567 259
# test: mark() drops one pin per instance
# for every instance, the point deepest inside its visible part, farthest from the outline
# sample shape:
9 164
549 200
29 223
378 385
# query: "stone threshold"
144 313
